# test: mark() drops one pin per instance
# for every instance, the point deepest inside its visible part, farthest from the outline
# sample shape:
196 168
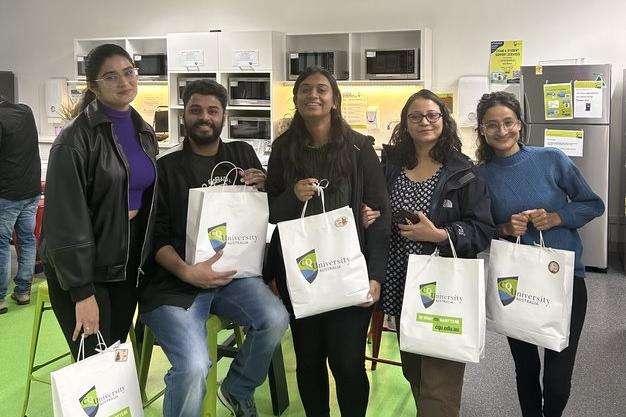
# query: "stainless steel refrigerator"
545 107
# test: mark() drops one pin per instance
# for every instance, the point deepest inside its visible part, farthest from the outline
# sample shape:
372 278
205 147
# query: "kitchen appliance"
581 112
335 62
247 127
249 91
80 67
161 123
151 65
182 84
392 64
7 86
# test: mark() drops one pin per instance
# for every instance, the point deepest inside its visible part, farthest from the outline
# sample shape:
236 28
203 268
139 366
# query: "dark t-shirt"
20 166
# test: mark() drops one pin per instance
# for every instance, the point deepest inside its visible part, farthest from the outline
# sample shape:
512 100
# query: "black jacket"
20 167
461 205
86 225
368 187
176 177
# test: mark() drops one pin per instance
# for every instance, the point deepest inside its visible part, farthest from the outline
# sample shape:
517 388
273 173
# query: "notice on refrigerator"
557 100
505 62
588 99
569 141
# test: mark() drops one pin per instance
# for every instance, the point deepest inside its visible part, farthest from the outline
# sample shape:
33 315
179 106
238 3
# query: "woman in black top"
99 201
428 176
320 145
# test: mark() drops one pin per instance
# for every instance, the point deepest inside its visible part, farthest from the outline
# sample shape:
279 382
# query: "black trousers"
337 336
558 366
117 302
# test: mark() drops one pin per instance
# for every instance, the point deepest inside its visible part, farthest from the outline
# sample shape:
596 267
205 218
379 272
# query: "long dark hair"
93 63
402 146
298 137
484 152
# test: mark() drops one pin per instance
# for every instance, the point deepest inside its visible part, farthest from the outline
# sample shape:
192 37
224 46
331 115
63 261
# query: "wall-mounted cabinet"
193 52
359 46
148 52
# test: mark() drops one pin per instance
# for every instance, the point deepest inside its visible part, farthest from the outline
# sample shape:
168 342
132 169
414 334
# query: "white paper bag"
232 218
443 311
529 293
323 262
103 385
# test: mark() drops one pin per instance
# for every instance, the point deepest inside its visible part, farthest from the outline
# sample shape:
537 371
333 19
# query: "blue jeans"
182 335
21 216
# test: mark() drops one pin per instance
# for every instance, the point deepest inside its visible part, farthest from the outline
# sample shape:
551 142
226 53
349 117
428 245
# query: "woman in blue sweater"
536 189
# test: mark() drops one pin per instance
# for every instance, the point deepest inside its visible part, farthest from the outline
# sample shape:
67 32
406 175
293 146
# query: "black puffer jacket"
86 225
461 205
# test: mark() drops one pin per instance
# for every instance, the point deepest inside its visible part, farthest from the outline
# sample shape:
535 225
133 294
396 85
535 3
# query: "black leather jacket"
86 226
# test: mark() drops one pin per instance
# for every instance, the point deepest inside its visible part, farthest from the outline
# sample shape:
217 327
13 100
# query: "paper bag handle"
81 347
211 183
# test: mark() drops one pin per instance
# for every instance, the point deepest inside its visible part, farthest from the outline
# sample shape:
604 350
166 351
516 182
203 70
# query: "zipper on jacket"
145 238
127 194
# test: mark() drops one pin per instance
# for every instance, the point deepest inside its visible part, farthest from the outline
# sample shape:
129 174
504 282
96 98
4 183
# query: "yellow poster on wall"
505 61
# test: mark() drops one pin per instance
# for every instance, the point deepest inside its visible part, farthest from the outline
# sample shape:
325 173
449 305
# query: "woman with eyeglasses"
429 177
536 189
99 201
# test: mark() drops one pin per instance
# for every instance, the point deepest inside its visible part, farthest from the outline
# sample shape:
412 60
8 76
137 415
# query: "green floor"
389 393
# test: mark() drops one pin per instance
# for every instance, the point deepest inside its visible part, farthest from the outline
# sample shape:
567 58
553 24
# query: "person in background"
100 190
178 299
429 177
20 179
318 145
536 189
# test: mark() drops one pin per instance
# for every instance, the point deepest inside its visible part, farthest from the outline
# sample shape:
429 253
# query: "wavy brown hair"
402 146
484 152
298 137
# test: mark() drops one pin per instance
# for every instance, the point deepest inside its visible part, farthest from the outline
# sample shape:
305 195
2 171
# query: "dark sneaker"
3 307
245 408
21 299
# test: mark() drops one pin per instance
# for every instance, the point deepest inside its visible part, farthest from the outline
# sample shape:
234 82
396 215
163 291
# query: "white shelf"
177 107
264 108
367 82
140 81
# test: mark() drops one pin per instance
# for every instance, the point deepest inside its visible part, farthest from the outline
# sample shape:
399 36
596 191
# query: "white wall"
36 36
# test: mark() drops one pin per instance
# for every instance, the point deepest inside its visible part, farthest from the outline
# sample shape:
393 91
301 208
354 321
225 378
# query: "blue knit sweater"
545 178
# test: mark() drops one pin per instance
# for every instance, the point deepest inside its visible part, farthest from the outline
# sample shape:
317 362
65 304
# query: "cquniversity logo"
308 265
89 402
217 236
507 289
428 292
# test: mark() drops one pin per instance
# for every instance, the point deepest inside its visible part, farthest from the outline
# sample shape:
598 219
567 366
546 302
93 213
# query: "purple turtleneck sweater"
141 168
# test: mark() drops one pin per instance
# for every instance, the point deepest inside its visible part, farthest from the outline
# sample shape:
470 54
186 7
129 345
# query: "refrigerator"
577 120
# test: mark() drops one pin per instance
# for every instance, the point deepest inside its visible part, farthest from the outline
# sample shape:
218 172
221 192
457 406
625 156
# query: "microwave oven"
248 91
392 64
80 67
335 62
182 84
151 65
245 127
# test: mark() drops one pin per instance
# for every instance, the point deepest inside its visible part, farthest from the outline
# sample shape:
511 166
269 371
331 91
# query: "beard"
200 138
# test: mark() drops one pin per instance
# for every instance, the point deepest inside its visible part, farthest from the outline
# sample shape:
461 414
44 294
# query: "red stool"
375 334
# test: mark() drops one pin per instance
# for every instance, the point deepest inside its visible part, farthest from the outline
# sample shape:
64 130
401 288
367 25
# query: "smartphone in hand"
406 217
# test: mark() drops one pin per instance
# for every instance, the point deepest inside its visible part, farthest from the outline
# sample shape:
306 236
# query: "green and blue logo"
217 236
507 289
89 402
308 265
428 292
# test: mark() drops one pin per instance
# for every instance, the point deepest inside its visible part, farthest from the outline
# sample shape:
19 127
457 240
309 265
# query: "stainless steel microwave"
392 64
246 127
80 67
151 65
335 62
249 91
182 84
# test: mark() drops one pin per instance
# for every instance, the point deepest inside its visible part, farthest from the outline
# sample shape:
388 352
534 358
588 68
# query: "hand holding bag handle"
211 182
81 347
320 187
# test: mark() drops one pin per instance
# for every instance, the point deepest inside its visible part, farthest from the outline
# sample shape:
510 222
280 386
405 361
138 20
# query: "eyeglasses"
431 116
494 127
113 79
